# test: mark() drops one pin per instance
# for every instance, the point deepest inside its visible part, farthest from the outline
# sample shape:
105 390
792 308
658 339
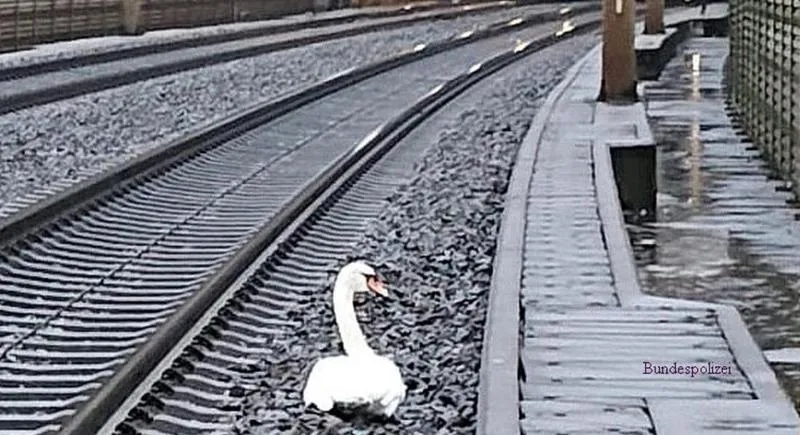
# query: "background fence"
24 23
764 77
27 22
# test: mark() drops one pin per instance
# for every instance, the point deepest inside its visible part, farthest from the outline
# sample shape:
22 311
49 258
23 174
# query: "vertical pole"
735 71
752 82
794 98
17 25
71 17
130 16
761 87
618 84
770 83
654 17
778 51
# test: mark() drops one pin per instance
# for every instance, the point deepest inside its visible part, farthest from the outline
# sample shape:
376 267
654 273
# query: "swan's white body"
370 381
361 378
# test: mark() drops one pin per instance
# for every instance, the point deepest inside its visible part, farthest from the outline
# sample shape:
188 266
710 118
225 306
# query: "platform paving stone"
586 340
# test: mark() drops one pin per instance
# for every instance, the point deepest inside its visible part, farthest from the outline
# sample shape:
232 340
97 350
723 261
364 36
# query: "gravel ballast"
103 44
435 243
87 46
44 148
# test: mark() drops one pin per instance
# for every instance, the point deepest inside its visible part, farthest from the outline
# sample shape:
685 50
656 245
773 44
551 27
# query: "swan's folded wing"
337 378
355 381
386 386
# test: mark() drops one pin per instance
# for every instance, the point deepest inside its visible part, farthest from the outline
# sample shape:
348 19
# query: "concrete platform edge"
495 389
749 355
654 51
615 235
682 417
498 390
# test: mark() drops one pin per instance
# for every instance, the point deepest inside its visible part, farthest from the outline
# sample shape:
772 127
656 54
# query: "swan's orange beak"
376 285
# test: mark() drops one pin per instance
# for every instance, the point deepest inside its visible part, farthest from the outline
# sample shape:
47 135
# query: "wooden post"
654 17
131 12
618 83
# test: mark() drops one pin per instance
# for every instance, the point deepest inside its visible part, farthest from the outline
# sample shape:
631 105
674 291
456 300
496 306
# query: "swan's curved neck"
352 338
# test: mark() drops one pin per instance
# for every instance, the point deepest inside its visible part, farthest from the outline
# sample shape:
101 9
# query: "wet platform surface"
597 355
724 231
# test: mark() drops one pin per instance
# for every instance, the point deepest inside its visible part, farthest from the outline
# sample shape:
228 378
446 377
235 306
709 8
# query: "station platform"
569 328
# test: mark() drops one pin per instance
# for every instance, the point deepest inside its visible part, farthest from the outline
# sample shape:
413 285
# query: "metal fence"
27 22
764 77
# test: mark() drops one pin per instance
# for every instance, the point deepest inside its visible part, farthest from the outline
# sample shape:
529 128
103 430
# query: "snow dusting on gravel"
102 44
435 242
45 148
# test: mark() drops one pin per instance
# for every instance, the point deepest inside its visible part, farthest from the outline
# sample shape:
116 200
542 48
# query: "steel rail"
22 222
22 94
339 176
80 294
16 72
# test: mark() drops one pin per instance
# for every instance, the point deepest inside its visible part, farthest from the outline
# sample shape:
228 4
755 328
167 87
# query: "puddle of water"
722 232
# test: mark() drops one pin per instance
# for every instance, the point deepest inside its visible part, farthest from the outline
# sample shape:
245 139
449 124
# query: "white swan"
361 378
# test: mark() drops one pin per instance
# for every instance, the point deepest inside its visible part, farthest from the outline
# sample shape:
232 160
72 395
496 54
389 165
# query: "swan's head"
361 277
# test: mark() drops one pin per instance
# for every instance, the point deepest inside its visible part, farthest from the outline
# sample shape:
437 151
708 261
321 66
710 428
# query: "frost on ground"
105 44
66 141
435 242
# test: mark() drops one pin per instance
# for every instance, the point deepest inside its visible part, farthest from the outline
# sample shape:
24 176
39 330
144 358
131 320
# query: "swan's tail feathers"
323 402
392 401
391 407
317 397
316 392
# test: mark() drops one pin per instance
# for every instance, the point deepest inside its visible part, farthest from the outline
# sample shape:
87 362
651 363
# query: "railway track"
25 23
408 14
289 261
186 391
19 92
94 298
